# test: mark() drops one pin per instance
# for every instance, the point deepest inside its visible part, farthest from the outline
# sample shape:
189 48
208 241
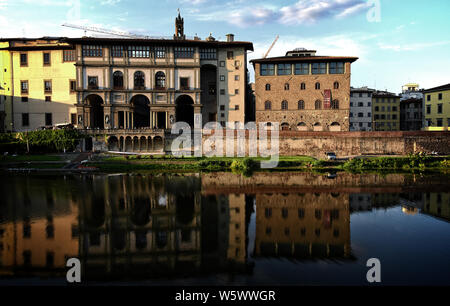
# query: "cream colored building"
153 83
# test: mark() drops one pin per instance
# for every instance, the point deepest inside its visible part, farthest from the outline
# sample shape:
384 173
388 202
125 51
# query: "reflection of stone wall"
303 225
316 144
263 181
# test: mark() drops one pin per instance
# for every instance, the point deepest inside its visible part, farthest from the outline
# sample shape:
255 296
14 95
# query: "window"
267 69
160 52
302 86
268 212
139 80
284 213
73 118
24 87
160 80
230 55
24 99
440 96
439 122
360 115
222 63
335 104
48 119
184 83
73 85
222 107
47 60
369 115
377 108
268 105
222 78
286 86
212 89
394 108
25 120
23 59
428 109
301 104
439 108
237 77
237 64
268 87
317 86
337 68
319 68
139 51
69 55
360 104
236 91
48 86
92 82
118 80
92 51
301 69
206 54
351 115
117 51
284 69
184 52
236 107
284 105
336 85
48 99
318 104
222 92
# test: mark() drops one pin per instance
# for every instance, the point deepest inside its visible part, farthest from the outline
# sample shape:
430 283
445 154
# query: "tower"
179 27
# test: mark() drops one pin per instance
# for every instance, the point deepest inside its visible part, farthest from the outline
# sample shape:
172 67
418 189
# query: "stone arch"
141 111
317 127
285 126
95 103
128 144
143 145
335 127
135 143
184 111
158 143
113 144
302 127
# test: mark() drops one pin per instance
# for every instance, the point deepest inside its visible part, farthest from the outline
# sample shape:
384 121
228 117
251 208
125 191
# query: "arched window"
160 80
285 126
336 85
268 87
302 126
286 86
268 105
139 80
302 86
118 80
318 104
301 104
335 104
284 105
317 86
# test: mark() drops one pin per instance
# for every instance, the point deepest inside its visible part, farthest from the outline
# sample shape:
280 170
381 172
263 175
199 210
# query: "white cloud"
109 2
3 4
303 11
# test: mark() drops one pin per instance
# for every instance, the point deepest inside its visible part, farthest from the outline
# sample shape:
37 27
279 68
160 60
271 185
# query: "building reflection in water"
172 226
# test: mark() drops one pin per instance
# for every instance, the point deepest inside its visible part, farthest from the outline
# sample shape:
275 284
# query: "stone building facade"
153 83
303 91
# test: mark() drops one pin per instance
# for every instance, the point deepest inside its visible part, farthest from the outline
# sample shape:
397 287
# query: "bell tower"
179 27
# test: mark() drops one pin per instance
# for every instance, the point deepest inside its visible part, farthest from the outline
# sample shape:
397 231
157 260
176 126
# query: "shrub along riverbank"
46 141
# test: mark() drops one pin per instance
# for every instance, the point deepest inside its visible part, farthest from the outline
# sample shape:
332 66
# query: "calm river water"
225 229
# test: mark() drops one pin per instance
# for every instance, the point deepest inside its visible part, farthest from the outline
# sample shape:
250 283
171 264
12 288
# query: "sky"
397 41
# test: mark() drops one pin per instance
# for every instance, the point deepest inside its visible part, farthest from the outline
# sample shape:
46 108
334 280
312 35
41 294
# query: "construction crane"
110 32
271 47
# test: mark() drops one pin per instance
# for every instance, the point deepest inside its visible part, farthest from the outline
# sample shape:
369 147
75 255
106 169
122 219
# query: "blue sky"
409 43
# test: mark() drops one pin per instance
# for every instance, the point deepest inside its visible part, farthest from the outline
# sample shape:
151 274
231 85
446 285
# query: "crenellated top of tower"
179 27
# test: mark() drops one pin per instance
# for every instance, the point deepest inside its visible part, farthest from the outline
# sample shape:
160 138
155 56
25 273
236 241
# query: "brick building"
303 91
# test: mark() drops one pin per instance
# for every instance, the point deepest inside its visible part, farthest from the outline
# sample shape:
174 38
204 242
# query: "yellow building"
385 112
42 83
437 108
5 87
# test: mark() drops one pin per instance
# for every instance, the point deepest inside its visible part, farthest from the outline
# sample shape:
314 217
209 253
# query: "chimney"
230 37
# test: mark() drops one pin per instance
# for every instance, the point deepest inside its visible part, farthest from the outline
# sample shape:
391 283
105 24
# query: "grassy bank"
246 166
